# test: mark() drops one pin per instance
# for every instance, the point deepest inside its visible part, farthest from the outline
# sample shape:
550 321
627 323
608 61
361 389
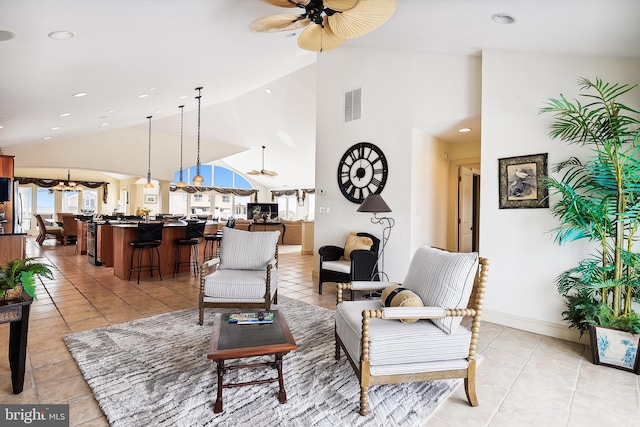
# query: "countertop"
133 224
8 229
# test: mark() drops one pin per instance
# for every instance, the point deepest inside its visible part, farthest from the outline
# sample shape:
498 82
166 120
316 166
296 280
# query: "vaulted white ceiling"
166 48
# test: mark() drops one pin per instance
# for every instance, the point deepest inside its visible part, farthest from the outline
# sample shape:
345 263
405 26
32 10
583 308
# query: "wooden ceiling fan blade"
319 39
287 3
281 22
253 172
362 19
270 173
341 4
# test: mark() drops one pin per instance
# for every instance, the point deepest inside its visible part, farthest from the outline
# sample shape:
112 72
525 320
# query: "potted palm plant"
19 274
599 200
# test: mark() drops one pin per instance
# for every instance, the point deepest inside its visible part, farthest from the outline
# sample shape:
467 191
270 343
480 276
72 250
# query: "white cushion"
239 285
395 343
340 266
244 250
442 279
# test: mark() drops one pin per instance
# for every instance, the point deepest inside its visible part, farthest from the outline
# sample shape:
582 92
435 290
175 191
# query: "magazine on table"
251 318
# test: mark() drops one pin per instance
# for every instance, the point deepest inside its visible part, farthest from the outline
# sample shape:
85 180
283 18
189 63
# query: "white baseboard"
550 329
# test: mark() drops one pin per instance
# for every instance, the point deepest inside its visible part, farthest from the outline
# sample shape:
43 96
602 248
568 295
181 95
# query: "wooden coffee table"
233 341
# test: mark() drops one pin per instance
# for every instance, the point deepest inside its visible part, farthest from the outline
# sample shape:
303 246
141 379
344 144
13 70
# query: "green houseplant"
22 272
599 200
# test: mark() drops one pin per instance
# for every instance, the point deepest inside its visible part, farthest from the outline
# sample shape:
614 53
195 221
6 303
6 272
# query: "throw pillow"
397 296
355 242
244 250
442 279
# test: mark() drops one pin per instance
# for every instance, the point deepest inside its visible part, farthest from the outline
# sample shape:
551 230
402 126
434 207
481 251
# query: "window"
70 201
45 202
311 209
89 199
226 198
287 207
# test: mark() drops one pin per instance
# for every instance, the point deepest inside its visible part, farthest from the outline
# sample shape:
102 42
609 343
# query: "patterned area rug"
155 372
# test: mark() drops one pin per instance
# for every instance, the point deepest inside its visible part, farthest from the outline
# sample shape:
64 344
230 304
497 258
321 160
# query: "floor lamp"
374 203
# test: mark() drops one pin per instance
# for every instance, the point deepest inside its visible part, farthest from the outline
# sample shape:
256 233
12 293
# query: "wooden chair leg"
201 318
337 347
364 400
470 384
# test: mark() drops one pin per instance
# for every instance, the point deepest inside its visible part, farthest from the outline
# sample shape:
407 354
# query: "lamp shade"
374 203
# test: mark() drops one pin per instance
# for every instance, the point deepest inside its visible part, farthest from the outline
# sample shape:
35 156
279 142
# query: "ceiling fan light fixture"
263 171
318 38
328 22
277 23
361 19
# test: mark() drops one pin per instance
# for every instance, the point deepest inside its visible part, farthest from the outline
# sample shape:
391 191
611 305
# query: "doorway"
468 209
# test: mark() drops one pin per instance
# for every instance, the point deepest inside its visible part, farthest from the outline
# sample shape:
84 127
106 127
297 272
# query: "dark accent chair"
363 264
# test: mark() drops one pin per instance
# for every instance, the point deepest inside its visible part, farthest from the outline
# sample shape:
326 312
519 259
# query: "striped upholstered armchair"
415 332
245 275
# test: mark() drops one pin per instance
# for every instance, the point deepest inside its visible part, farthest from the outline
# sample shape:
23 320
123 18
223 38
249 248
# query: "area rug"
155 372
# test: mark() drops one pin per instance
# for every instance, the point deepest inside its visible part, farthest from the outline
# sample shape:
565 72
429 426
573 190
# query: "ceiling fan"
262 171
333 21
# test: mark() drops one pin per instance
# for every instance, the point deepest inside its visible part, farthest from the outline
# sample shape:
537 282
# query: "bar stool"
192 238
149 237
213 240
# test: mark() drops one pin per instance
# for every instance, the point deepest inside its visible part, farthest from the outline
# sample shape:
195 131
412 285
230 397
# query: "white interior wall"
401 91
524 260
428 205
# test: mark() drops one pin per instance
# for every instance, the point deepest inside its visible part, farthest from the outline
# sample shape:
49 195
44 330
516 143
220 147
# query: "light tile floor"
524 380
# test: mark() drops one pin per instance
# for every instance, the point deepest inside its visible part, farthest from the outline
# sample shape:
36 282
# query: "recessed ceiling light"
55 128
158 112
144 95
62 35
105 124
1 127
268 91
6 35
111 111
79 94
183 97
503 18
64 115
464 130
47 137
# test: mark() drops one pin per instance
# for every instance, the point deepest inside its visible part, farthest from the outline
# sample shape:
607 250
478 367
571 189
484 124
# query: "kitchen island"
125 233
12 242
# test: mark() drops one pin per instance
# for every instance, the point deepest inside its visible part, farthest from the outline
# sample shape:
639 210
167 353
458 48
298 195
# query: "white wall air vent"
353 105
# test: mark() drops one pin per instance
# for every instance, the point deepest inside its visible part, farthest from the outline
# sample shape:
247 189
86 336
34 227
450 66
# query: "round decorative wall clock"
362 171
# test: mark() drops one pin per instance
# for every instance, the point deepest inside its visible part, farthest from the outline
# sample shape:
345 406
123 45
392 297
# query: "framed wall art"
150 198
521 183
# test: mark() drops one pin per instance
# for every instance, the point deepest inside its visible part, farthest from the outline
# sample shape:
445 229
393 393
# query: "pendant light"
67 185
149 184
198 179
181 183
